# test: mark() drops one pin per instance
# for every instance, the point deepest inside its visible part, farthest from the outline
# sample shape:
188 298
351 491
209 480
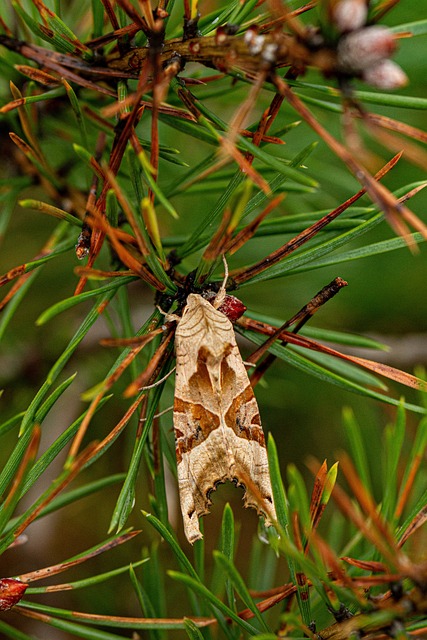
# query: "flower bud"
231 306
350 15
385 75
359 50
11 591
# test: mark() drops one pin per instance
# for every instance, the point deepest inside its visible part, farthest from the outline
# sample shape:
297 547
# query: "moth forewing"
217 426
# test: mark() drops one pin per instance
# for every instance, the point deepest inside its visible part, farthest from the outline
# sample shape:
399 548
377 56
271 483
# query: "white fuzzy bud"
254 41
359 50
385 75
350 15
269 53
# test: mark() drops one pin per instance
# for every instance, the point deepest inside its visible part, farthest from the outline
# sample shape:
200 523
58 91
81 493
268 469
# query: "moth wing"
217 426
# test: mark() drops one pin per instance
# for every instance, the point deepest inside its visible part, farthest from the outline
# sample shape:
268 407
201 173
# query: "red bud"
231 307
11 592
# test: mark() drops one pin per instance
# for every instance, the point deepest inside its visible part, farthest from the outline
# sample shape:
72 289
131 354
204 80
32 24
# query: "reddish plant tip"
232 307
83 243
11 592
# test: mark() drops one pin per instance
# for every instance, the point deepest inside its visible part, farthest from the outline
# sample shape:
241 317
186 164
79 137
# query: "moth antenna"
162 413
155 384
169 317
219 298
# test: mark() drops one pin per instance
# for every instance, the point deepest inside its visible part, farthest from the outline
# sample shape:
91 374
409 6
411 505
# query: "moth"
218 431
